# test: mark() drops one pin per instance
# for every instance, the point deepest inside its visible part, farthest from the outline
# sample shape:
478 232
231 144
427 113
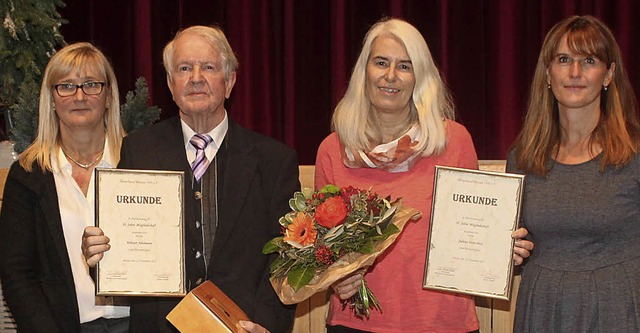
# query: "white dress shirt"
78 212
217 134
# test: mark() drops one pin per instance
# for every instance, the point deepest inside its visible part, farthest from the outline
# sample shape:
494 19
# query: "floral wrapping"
332 233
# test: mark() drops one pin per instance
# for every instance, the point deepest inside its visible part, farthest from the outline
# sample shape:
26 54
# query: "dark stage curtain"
296 55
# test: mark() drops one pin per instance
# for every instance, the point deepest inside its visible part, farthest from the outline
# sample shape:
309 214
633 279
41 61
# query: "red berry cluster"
324 255
373 201
346 193
316 199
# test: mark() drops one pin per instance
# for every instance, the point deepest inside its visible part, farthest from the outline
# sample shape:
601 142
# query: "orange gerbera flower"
301 232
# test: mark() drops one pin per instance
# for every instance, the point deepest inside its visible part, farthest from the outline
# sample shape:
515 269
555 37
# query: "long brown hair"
618 131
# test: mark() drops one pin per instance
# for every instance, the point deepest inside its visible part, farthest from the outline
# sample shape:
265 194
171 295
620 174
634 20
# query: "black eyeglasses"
70 89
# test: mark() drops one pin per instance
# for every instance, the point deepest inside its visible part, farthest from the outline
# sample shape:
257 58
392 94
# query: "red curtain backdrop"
296 56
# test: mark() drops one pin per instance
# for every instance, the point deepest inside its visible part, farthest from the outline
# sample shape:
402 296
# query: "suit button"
197 224
198 254
198 195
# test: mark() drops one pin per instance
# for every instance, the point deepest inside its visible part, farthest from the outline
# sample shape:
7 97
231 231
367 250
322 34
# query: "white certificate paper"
142 214
470 246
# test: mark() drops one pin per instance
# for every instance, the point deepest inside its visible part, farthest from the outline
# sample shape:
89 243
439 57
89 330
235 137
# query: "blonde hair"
74 57
430 104
618 131
215 37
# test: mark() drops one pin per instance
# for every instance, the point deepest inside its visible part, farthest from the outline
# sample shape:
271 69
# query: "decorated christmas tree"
29 37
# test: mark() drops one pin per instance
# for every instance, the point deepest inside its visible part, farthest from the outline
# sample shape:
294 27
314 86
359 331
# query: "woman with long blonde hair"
49 199
393 126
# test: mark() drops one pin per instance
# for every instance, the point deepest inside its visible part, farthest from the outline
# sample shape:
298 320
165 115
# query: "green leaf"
330 188
298 203
365 296
299 277
287 219
276 265
283 221
387 217
367 247
272 246
333 233
390 230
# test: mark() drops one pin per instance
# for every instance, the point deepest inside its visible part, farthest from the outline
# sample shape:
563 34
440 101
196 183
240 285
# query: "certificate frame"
142 213
470 248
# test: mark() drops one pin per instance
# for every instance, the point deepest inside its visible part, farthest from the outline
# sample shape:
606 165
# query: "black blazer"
35 271
257 176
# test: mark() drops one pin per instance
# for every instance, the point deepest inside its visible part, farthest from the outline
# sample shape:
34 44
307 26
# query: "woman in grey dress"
579 149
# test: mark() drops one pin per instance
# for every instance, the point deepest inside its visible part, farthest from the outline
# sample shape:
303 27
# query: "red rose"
331 212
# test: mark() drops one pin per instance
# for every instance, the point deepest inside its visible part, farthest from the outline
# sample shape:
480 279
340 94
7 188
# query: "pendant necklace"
84 166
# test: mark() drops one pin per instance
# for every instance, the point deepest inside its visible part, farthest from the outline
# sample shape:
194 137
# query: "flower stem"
363 301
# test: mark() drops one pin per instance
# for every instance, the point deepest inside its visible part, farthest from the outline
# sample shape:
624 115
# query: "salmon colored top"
396 277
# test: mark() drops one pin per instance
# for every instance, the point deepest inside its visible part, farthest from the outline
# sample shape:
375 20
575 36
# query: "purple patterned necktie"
200 164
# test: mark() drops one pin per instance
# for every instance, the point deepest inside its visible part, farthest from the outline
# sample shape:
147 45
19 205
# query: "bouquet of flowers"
330 234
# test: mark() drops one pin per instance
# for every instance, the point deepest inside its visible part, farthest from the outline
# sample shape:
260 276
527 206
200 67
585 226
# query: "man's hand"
94 244
250 327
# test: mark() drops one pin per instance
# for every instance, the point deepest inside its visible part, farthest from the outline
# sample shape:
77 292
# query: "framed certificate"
142 213
470 247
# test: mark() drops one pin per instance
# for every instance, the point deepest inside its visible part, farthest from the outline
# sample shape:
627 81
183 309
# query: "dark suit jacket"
35 271
257 176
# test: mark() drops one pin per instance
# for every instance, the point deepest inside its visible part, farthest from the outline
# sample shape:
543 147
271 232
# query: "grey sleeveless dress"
584 273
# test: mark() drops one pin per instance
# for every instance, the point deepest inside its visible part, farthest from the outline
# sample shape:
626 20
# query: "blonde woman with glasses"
49 199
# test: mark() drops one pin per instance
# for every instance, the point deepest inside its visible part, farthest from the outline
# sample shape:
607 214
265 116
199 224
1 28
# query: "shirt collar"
217 133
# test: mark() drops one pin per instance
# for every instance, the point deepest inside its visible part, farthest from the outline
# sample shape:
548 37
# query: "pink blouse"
396 277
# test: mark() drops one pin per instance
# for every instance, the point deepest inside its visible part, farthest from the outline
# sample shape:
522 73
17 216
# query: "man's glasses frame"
88 88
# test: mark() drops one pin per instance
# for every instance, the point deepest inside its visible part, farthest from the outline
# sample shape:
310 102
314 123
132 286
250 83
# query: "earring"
548 86
606 88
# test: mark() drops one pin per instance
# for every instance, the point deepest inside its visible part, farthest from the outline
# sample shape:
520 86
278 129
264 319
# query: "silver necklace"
84 166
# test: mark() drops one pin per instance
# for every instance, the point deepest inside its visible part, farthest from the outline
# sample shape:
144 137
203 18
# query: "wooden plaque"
206 309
